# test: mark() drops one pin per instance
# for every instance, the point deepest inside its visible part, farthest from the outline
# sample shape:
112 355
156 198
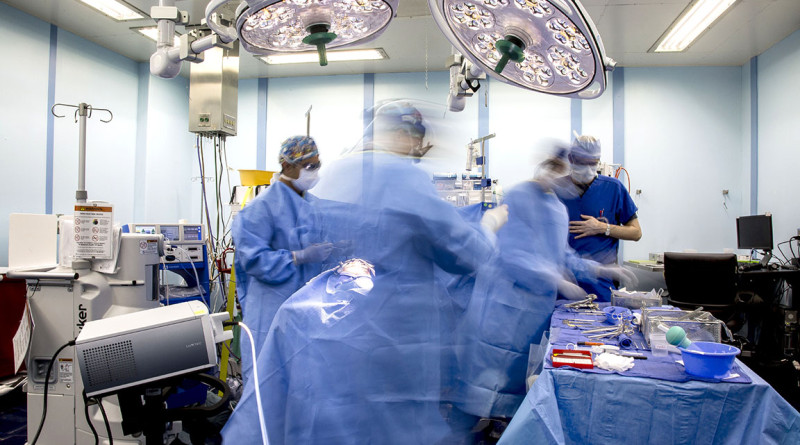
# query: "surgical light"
548 46
695 19
347 55
270 27
116 9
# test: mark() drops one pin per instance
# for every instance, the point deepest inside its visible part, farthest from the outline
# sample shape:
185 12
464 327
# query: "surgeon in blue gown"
375 376
514 297
278 238
601 212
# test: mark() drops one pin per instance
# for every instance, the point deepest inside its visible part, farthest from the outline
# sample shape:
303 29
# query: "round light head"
548 46
280 26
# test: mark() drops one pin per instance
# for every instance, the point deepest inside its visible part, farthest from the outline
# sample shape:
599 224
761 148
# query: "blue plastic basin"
708 359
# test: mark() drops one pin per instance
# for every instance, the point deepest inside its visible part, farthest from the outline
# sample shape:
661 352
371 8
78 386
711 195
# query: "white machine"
132 349
62 301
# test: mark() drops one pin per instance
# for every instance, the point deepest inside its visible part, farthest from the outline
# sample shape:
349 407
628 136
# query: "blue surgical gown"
512 301
607 200
265 232
376 376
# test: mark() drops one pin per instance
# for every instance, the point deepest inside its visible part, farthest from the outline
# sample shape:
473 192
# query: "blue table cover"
569 406
566 406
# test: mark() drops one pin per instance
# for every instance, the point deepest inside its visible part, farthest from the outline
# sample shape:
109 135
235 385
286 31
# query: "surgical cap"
585 147
297 149
400 115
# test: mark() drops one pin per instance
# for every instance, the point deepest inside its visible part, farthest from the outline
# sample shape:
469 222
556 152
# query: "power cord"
86 401
105 420
261 420
46 385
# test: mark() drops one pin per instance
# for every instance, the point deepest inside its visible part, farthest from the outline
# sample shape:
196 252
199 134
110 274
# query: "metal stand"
84 111
483 161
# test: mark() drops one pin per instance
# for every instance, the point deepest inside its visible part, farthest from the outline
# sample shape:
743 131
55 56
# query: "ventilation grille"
109 363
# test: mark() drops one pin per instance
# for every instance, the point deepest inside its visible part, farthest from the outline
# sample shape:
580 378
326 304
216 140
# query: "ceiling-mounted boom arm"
166 61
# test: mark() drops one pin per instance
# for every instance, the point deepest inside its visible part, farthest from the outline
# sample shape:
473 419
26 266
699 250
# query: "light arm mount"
465 80
166 61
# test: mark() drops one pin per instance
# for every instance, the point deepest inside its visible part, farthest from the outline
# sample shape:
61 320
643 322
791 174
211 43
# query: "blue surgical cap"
585 147
400 115
297 149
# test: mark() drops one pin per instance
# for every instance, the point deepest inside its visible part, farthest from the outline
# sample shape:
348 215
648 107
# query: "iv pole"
483 162
84 111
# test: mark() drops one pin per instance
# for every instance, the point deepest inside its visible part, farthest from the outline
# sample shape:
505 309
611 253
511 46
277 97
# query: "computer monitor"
754 232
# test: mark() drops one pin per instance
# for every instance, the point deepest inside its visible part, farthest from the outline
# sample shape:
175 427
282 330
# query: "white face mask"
583 174
306 181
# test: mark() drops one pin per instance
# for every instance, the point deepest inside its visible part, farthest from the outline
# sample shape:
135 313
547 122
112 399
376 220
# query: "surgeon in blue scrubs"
364 363
279 245
514 296
601 212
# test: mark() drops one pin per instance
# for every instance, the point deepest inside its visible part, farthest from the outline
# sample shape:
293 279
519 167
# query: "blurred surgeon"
373 373
278 241
515 296
601 212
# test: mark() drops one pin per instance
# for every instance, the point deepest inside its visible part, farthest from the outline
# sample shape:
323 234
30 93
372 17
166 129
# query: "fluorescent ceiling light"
116 9
151 32
695 19
333 56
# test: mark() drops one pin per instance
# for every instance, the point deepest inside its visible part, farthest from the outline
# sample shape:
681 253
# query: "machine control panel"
185 241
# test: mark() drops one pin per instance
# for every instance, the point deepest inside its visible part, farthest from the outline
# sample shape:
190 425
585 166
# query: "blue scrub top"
607 200
265 232
512 300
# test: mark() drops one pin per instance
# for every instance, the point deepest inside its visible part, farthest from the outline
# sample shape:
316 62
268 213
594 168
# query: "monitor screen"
754 232
171 233
146 230
192 233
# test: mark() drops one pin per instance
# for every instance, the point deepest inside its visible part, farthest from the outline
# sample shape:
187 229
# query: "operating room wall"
683 148
168 167
779 138
23 130
133 169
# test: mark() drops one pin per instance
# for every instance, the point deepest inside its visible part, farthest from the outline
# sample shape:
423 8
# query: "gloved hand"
315 253
625 277
570 290
494 219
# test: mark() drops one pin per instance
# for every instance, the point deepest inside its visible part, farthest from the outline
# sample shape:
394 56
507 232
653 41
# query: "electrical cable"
264 438
785 258
35 288
627 175
196 277
88 420
46 385
105 420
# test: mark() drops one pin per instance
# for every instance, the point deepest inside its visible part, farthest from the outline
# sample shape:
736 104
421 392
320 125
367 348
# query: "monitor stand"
766 258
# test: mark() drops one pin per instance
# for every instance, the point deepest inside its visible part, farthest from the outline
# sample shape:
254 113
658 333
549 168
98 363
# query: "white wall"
170 153
779 138
86 72
336 105
522 120
598 120
682 148
23 118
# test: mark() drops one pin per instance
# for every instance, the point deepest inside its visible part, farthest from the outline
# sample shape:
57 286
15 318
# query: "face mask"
583 174
306 180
